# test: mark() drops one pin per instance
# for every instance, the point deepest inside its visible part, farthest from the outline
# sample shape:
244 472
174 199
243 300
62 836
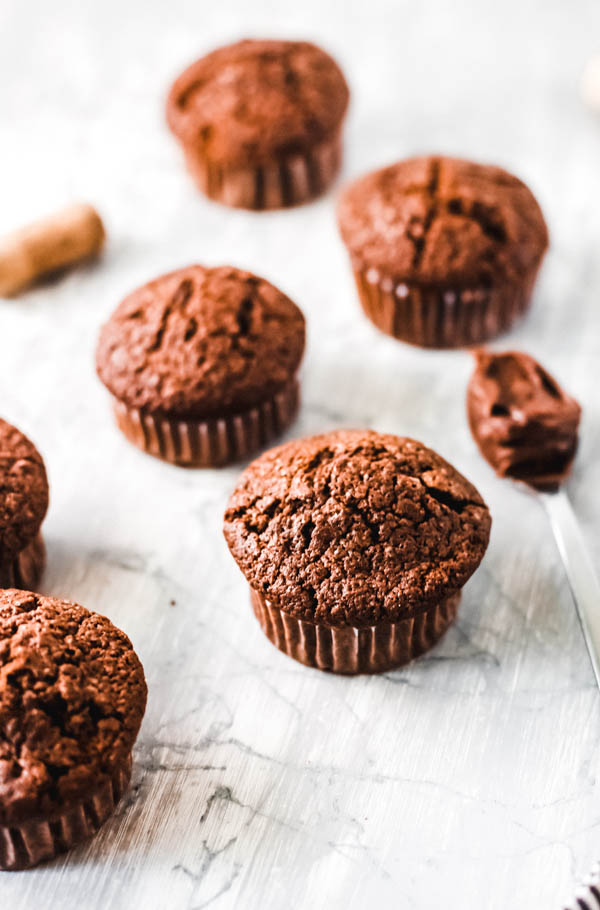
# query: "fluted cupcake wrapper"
441 317
24 570
290 181
213 441
32 842
351 650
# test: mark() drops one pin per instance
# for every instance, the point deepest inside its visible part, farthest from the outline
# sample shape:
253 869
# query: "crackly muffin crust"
24 496
354 528
72 698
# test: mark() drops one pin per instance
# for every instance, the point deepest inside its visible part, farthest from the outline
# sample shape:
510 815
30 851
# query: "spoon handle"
581 574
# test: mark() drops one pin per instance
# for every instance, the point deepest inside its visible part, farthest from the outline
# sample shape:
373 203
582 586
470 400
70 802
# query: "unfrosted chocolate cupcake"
23 506
445 252
356 546
260 122
524 423
202 364
72 698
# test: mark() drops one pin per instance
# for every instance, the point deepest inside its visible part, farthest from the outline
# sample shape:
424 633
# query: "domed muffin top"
355 527
253 101
443 221
23 490
72 698
200 342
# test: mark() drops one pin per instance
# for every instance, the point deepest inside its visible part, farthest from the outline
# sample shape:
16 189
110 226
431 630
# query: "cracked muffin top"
255 100
23 490
443 221
355 527
200 342
72 698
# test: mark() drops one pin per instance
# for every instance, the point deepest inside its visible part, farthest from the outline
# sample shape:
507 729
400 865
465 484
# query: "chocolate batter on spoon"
526 428
523 422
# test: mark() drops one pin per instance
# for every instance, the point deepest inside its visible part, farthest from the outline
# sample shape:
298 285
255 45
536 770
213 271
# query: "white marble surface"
468 779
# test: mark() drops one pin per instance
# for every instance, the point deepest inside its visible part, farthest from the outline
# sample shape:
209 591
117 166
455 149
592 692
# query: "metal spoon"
585 590
581 574
521 373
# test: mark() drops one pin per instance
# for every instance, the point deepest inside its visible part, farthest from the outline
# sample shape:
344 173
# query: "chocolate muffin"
260 122
356 546
445 252
202 364
523 422
72 698
23 506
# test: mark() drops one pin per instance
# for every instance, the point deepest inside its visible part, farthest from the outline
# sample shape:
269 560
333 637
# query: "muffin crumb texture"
72 697
355 527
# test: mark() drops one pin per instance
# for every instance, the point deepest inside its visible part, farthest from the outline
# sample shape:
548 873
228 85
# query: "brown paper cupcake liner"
34 841
212 442
292 180
351 650
25 569
441 318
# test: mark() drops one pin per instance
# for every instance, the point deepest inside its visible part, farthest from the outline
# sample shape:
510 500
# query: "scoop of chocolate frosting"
523 422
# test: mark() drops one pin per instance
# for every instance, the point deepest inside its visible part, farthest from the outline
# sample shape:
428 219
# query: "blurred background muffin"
445 252
260 122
